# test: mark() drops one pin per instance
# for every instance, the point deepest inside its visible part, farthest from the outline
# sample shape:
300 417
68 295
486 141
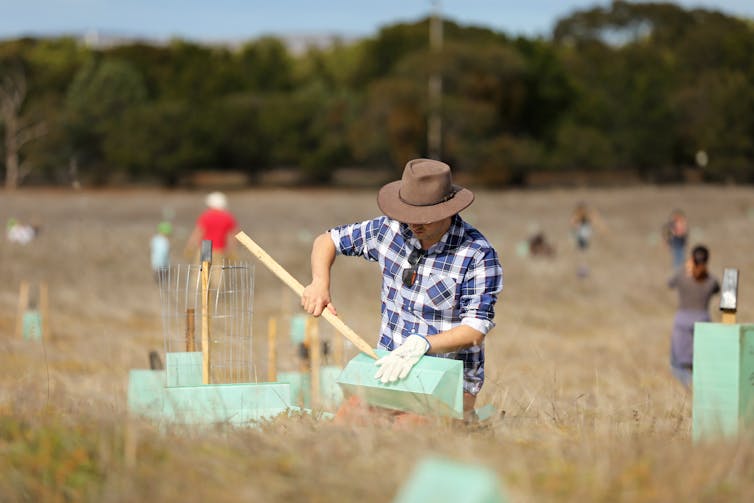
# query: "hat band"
446 198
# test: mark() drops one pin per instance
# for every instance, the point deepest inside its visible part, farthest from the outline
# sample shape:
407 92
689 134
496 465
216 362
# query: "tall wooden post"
339 351
206 259
44 311
190 345
312 328
23 304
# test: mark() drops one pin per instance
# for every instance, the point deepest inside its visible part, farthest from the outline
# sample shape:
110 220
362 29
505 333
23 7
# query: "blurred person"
539 246
675 234
214 224
583 222
440 276
695 289
20 233
159 247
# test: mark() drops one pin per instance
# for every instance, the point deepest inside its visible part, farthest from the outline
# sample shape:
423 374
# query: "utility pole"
434 122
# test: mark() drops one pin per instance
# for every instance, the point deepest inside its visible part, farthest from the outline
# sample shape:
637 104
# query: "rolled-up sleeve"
359 239
479 291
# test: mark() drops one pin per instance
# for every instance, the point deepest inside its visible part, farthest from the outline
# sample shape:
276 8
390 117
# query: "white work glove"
398 363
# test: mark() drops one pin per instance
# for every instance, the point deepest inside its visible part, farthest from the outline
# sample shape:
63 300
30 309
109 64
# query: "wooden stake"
130 442
190 345
339 350
44 311
297 287
312 328
206 256
272 327
23 304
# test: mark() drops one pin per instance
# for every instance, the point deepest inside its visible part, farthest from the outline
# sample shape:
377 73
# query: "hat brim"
390 203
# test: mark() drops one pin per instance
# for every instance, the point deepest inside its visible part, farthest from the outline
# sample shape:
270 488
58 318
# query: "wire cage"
229 315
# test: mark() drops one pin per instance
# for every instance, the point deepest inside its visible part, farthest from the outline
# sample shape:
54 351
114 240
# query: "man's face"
431 233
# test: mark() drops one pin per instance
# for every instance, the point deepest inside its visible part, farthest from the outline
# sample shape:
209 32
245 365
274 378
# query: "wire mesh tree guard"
229 316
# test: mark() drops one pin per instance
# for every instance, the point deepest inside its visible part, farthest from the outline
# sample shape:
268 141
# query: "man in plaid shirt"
440 276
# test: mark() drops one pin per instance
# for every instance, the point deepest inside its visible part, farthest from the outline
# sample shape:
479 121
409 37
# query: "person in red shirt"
215 224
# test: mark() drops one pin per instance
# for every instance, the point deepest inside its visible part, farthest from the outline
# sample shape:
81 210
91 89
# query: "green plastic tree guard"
723 379
433 387
146 395
300 387
298 328
177 395
32 325
238 404
184 369
444 481
330 393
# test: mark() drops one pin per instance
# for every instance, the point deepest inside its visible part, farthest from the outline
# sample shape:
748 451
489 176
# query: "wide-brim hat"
424 194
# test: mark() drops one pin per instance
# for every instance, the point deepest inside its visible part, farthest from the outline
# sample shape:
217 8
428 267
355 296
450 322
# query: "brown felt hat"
424 194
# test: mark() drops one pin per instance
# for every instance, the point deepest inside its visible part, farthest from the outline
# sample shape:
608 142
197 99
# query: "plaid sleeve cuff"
483 326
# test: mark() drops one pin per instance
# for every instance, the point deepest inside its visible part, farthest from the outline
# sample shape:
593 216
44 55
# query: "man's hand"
399 362
315 298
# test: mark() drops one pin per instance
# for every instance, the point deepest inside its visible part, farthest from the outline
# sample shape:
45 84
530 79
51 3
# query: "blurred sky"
228 20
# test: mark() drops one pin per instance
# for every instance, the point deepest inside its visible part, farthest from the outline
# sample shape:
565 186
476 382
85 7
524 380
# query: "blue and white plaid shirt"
458 281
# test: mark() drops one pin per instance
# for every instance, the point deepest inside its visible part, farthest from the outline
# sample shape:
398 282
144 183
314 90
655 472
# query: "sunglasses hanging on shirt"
410 274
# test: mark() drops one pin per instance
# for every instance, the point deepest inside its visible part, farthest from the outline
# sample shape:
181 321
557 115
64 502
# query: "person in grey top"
695 289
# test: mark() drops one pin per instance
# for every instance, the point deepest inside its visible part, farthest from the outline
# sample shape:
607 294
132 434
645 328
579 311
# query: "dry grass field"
580 366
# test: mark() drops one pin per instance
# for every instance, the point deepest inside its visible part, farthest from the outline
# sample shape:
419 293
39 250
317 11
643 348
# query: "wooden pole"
23 304
44 311
297 287
729 317
190 330
312 328
272 328
206 256
339 351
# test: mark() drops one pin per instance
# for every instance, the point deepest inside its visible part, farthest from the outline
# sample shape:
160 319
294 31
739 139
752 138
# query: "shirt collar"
451 239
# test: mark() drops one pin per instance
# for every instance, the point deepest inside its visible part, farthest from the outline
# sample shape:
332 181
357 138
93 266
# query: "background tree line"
640 87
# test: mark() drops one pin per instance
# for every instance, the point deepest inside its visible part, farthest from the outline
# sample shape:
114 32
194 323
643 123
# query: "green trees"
631 86
656 84
101 94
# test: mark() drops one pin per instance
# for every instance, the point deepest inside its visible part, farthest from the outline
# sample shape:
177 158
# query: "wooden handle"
297 287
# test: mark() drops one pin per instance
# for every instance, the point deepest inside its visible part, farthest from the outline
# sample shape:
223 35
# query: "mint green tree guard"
238 404
440 480
177 395
300 387
146 395
298 328
723 379
433 387
32 325
330 393
184 369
